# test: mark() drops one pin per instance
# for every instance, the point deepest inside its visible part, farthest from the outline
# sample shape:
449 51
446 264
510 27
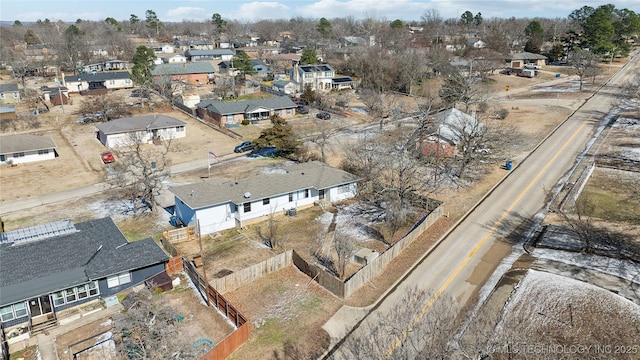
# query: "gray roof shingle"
19 143
97 250
101 76
183 69
292 178
146 122
8 88
246 106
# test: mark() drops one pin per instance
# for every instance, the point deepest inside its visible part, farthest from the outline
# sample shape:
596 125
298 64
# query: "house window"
43 152
180 129
289 111
2 96
14 311
290 197
112 82
3 158
343 189
128 81
16 95
265 201
19 154
247 207
306 193
120 279
321 194
229 119
74 294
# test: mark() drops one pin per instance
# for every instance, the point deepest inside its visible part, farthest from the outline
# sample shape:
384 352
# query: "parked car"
269 151
323 115
532 66
301 109
343 104
107 157
244 146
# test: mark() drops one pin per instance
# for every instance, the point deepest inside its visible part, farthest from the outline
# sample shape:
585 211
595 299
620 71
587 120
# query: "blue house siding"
137 277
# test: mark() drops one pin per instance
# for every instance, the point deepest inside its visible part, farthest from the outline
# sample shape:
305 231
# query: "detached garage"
145 129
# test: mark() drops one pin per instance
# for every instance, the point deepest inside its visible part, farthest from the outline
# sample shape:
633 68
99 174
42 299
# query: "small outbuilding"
145 129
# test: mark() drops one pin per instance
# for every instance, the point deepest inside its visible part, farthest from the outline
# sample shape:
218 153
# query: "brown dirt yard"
264 301
199 321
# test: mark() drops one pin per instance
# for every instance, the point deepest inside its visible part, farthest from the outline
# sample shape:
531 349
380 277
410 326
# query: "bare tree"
583 62
105 107
320 135
150 330
140 169
343 246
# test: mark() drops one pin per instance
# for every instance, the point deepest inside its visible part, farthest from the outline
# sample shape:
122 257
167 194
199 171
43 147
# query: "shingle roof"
146 122
97 250
526 56
8 87
246 106
208 52
292 178
20 143
183 69
101 76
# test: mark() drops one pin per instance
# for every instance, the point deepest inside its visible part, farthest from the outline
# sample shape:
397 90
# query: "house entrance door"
40 309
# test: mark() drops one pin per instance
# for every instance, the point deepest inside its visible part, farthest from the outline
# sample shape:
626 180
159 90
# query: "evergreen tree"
309 56
142 66
280 135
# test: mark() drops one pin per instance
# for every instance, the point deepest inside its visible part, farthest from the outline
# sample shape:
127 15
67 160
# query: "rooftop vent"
247 195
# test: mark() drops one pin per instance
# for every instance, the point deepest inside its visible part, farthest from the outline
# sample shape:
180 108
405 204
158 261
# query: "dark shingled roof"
8 87
101 76
292 178
34 268
146 122
246 106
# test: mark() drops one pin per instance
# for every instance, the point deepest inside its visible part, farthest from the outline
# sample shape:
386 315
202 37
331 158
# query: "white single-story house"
19 149
125 131
111 80
220 204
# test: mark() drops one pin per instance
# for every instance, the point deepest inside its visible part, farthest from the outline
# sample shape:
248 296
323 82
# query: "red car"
107 157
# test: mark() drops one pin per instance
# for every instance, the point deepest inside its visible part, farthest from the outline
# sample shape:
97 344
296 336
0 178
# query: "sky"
200 10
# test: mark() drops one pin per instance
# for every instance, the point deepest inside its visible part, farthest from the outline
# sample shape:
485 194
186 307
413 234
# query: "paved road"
7 207
448 269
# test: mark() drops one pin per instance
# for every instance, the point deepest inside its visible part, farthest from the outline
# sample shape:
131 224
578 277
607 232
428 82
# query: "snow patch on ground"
622 269
355 221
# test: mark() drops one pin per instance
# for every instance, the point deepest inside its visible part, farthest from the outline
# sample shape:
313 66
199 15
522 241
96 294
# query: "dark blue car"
269 151
244 146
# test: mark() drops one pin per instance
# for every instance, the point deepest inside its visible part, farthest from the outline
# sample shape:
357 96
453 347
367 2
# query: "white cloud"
186 13
383 9
262 10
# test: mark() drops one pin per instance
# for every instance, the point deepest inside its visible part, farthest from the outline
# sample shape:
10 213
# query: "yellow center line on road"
475 249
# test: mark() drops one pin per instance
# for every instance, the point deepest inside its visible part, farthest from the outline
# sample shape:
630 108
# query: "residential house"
20 149
8 113
209 55
176 59
518 60
444 131
56 266
112 80
259 66
9 94
320 77
225 204
145 129
115 65
476 43
284 86
187 45
226 67
199 73
230 114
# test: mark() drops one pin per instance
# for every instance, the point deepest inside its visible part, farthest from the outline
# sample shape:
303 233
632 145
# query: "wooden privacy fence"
181 234
252 273
367 272
213 298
